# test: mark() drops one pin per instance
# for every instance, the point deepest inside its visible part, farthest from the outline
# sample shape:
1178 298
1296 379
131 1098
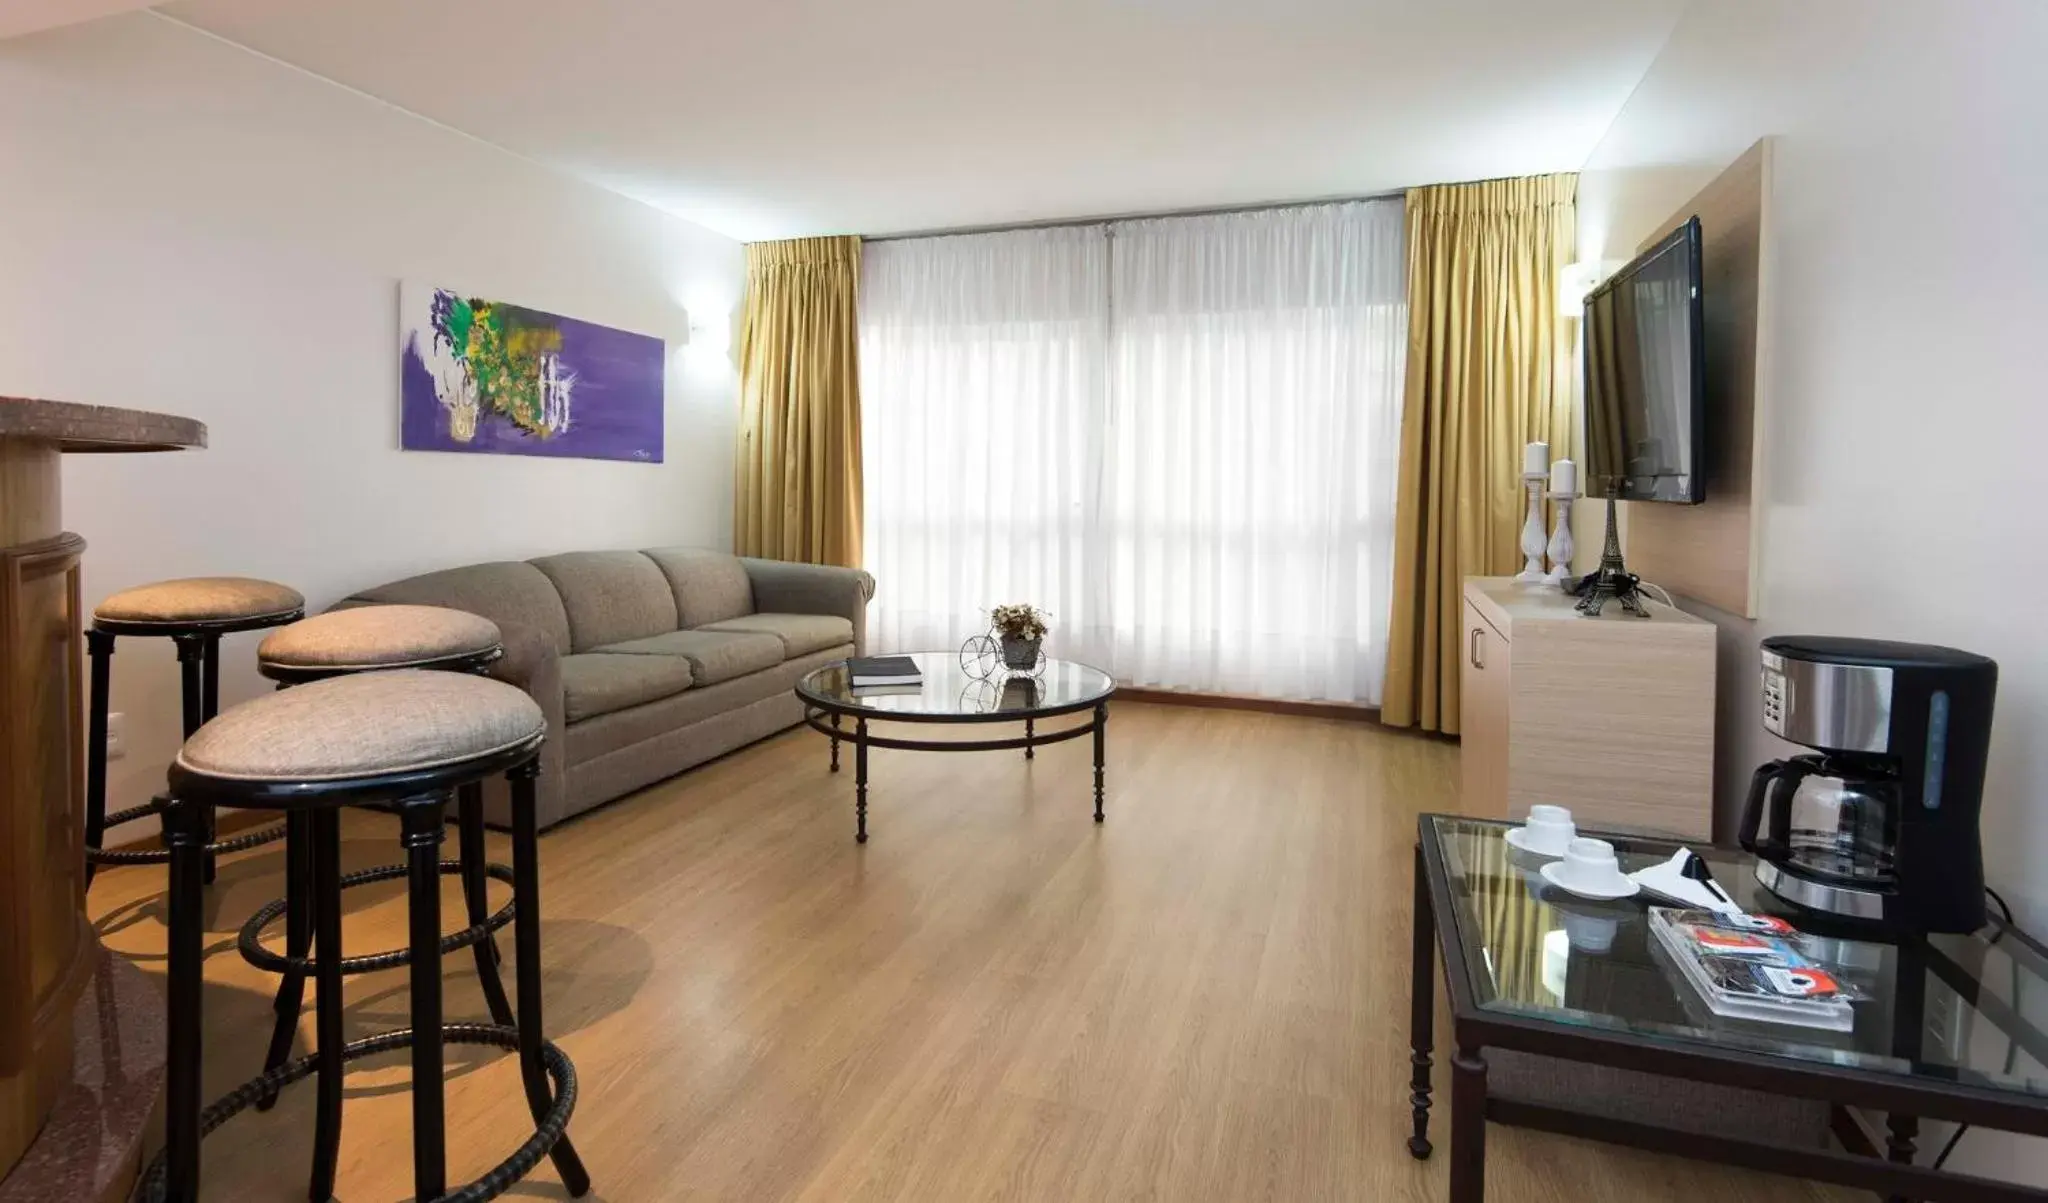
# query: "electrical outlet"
117 735
1947 1028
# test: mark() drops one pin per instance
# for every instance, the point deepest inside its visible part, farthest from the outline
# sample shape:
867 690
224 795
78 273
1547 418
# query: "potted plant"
1021 628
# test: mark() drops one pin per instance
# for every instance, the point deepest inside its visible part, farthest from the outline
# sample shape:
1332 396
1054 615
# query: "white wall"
188 227
1903 496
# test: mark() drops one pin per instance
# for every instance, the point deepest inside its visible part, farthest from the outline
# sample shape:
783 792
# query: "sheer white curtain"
1179 435
1256 399
987 354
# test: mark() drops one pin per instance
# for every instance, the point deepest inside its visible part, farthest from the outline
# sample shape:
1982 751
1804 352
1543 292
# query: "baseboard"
1231 701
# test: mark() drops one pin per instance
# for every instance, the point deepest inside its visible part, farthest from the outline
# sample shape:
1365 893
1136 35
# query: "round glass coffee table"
951 695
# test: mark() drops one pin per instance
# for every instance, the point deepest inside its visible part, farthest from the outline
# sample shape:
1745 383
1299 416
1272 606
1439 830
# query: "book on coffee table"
883 671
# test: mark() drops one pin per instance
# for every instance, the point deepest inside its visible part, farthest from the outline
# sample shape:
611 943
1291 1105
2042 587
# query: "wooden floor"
1204 999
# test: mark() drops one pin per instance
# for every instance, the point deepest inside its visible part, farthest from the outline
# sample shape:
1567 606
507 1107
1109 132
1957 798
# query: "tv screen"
1645 380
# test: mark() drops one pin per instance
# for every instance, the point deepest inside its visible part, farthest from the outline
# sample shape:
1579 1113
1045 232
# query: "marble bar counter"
61 997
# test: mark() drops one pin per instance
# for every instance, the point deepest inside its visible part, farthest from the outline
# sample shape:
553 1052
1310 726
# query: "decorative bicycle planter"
983 658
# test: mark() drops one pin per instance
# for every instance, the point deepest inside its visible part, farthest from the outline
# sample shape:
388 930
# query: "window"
1179 435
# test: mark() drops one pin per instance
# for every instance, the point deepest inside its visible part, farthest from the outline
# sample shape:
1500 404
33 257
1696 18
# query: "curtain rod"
1065 222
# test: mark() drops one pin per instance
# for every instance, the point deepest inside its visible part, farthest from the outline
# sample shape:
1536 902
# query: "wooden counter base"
47 950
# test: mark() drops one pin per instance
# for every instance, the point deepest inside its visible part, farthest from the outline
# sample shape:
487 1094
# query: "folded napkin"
1669 880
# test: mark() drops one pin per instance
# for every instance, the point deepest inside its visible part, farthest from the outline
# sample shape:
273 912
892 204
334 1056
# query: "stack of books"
872 675
1753 967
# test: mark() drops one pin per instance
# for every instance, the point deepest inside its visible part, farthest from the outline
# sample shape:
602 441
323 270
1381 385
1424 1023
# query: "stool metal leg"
182 1100
209 679
209 705
325 858
526 946
192 703
470 822
298 920
424 822
197 663
100 647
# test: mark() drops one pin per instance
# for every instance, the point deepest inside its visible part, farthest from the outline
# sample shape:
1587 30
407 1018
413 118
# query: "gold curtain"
796 487
1489 369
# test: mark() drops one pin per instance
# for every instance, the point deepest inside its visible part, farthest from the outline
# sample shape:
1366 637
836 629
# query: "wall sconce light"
1578 280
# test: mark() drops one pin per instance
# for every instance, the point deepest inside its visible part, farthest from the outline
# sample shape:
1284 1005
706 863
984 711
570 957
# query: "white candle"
1564 478
1536 459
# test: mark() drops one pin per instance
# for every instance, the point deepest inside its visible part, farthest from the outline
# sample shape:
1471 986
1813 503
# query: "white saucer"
1625 887
1518 839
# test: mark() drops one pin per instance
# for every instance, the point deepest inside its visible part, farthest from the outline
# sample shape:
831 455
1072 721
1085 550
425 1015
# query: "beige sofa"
649 662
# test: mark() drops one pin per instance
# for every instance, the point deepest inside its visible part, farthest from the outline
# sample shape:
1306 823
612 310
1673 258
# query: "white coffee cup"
1591 864
1590 933
1548 830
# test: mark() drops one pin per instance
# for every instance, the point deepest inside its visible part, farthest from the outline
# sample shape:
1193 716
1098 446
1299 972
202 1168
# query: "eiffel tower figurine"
1613 579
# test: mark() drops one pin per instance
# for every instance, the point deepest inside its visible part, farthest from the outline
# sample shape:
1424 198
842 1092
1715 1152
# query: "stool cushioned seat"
364 725
201 599
373 637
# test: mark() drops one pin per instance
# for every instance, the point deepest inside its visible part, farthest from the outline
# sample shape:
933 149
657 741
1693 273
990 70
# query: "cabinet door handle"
1472 648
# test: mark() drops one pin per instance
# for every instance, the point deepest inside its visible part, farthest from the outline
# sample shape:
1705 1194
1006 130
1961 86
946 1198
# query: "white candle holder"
1561 540
1532 531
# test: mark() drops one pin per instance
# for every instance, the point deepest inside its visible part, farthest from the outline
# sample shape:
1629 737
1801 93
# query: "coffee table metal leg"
835 741
1422 1013
1901 1143
1468 1126
1030 732
860 780
1101 737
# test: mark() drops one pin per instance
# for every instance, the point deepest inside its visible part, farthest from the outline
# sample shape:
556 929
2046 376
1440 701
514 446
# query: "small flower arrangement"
1021 628
1019 621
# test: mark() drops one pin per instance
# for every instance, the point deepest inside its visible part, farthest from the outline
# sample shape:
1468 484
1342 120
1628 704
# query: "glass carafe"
1827 817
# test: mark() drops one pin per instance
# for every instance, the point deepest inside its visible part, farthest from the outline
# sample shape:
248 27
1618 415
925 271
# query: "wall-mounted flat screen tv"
1646 377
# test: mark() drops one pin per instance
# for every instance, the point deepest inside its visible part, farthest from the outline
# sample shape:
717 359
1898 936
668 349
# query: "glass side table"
1535 970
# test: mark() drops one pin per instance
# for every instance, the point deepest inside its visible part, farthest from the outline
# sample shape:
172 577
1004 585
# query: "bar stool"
407 737
193 613
372 639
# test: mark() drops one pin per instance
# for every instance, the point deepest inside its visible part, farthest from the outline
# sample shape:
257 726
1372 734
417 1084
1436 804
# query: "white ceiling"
779 118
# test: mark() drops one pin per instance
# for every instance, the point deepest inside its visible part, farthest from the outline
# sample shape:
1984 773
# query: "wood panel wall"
1710 551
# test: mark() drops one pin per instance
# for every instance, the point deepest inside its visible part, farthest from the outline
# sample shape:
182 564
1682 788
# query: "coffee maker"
1880 827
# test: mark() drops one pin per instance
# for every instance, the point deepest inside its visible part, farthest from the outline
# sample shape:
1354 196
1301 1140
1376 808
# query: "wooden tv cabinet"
1611 716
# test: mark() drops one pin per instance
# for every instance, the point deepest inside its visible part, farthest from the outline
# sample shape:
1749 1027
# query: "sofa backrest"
709 586
504 592
584 599
611 596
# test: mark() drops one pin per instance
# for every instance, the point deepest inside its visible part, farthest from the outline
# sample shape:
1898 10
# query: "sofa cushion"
800 633
508 593
610 596
595 683
668 722
714 656
709 586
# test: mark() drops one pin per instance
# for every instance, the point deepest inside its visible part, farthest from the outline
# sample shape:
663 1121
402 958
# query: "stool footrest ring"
159 856
249 942
490 1186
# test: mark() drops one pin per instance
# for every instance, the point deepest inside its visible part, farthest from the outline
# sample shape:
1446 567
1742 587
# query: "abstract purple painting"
489 377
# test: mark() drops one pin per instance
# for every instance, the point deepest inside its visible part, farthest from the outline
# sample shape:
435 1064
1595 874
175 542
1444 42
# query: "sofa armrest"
531 662
784 587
